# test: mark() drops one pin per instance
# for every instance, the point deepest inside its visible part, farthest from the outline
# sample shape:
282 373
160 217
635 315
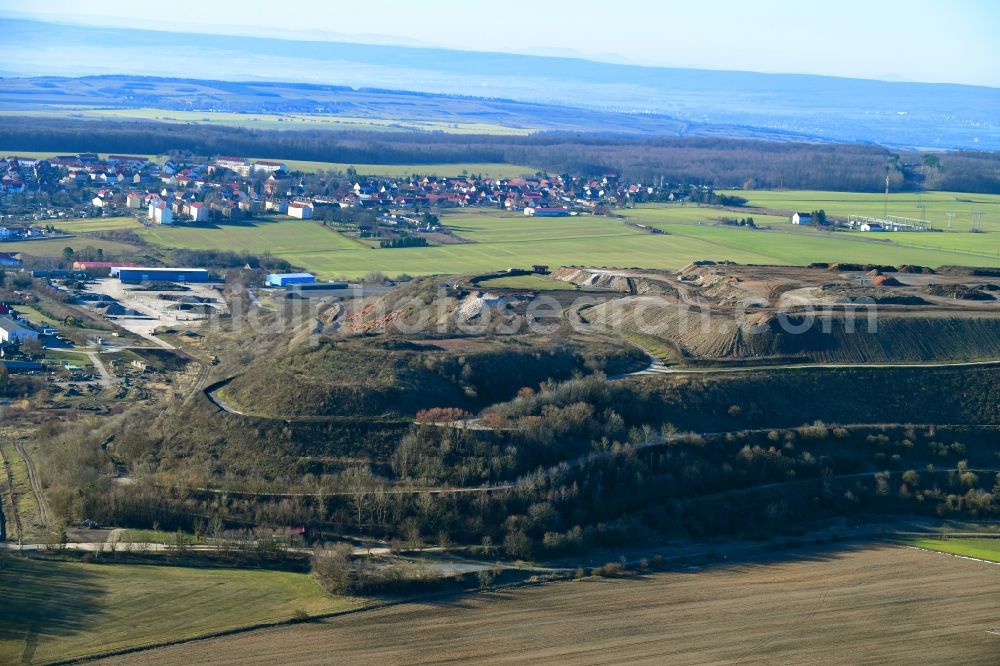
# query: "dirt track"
36 486
883 605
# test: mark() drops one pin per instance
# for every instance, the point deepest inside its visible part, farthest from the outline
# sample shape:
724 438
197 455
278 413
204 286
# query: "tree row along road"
385 550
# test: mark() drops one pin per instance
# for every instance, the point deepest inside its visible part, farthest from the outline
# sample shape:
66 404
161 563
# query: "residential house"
160 213
802 218
268 166
240 165
198 211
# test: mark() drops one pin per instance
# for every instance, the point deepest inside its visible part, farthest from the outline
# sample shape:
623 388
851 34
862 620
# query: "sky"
913 40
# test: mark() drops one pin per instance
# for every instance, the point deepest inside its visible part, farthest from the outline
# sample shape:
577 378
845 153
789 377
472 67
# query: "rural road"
835 366
106 547
36 486
107 379
388 491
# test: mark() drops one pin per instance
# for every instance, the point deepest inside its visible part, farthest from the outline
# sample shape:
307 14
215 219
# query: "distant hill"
643 99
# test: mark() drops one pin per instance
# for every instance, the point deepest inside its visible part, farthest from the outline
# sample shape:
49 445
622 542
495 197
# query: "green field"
282 236
903 204
983 549
88 225
36 317
54 247
796 244
503 240
68 356
61 610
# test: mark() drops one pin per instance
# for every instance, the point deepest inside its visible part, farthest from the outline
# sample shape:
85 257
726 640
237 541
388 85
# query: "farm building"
10 330
802 218
283 279
14 367
316 290
303 211
546 212
136 274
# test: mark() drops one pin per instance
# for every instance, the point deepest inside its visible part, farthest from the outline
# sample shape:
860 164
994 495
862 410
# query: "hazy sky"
916 40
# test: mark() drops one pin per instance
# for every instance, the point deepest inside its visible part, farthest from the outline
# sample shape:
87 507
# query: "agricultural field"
501 240
64 610
487 169
281 236
793 244
55 246
904 204
871 605
980 548
90 225
276 121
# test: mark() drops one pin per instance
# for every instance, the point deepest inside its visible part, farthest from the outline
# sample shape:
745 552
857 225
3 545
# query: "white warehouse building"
11 330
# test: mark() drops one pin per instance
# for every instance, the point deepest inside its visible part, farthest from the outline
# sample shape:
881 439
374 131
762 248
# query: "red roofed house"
160 213
198 211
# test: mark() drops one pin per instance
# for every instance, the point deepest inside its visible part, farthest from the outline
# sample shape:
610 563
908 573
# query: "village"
231 188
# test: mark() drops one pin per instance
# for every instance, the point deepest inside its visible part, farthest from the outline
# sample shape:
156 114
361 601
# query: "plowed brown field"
876 605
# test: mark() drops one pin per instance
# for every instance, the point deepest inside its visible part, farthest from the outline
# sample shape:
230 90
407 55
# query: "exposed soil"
850 314
882 605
